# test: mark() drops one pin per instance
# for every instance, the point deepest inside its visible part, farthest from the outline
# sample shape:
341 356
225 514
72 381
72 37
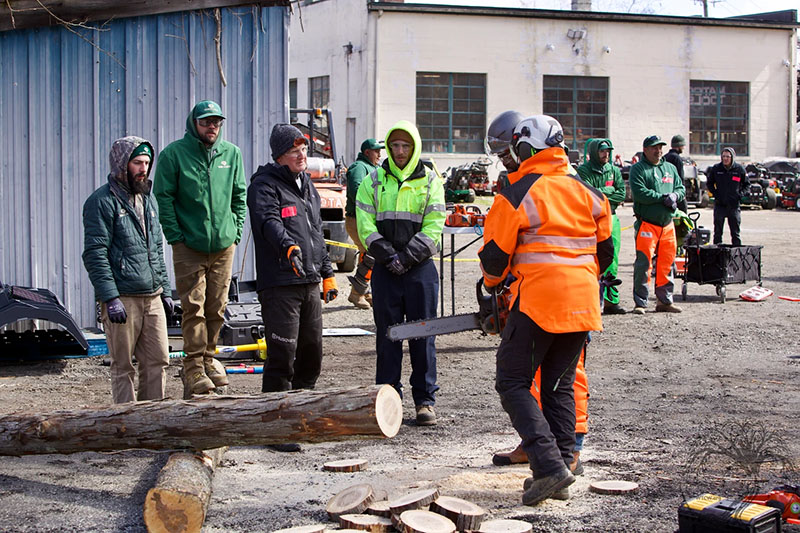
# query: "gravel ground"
663 387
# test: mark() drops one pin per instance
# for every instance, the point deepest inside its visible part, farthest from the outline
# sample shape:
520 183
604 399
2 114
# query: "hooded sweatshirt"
401 210
727 184
123 253
649 183
604 177
201 191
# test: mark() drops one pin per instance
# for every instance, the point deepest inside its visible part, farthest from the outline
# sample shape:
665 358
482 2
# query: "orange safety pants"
652 239
581 389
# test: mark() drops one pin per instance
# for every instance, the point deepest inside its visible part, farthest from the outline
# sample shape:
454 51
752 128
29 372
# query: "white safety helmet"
539 132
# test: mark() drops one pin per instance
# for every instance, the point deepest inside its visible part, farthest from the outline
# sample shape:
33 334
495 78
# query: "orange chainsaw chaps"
581 389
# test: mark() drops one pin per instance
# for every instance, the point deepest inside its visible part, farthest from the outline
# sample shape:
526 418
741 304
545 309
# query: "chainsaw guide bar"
433 326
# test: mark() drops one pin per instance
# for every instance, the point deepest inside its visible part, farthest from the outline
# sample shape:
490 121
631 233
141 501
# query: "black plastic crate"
723 264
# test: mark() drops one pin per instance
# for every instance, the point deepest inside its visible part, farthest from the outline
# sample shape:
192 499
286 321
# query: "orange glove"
329 289
295 256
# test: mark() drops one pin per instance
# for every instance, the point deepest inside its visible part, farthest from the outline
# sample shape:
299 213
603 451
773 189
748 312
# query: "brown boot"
196 383
368 298
358 299
514 457
215 371
576 467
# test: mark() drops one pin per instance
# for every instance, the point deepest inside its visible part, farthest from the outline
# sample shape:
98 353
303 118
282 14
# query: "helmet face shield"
495 146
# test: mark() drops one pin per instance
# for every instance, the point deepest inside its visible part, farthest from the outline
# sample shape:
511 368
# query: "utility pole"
705 5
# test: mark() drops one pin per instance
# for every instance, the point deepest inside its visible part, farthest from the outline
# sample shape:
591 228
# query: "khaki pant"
352 229
144 336
202 281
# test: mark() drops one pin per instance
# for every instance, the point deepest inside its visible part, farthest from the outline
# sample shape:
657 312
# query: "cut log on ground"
179 501
368 522
413 500
466 515
345 465
209 422
505 526
380 508
418 521
302 529
352 500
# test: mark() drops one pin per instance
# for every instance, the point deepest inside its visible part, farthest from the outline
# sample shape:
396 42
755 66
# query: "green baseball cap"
207 108
653 140
371 144
678 140
142 149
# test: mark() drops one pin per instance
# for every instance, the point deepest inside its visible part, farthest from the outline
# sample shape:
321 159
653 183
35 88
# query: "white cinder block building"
718 82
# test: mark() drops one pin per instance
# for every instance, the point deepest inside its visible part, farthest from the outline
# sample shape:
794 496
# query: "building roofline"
749 21
37 13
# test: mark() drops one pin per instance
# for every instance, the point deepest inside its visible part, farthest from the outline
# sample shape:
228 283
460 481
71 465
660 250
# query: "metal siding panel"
67 100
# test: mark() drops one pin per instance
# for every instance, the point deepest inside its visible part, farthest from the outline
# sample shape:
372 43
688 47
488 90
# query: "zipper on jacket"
210 157
310 227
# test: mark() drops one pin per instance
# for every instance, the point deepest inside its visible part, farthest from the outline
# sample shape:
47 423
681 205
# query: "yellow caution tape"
342 244
626 227
457 260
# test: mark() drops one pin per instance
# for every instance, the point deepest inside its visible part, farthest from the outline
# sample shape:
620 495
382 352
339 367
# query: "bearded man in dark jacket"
291 260
727 181
124 256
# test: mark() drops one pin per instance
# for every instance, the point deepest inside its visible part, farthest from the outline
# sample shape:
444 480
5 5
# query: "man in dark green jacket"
656 189
366 162
124 256
598 172
201 192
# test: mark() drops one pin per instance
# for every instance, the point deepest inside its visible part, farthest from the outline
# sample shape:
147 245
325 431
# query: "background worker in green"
201 192
400 210
656 188
677 144
366 162
598 172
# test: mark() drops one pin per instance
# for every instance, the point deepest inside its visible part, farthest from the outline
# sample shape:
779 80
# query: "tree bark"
179 501
208 422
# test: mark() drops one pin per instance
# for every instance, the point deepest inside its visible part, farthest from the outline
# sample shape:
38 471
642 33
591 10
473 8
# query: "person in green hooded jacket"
598 172
201 192
400 213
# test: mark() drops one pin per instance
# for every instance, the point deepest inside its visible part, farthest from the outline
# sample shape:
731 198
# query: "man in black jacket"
291 260
727 181
674 157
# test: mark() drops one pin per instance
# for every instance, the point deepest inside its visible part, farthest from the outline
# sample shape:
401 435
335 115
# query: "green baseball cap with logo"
372 144
653 140
207 108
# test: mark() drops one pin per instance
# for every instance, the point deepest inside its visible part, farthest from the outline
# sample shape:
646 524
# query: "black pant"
293 325
548 434
412 296
734 216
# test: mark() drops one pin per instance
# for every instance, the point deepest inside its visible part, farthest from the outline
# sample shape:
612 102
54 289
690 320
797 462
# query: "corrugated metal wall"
63 101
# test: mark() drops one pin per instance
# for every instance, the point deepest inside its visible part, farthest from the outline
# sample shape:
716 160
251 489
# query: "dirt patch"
657 382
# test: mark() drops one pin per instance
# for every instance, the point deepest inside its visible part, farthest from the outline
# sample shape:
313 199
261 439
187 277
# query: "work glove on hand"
169 305
295 256
395 265
329 289
670 200
608 280
116 311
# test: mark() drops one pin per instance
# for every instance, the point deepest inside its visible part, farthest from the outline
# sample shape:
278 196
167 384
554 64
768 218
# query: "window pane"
718 116
579 103
451 106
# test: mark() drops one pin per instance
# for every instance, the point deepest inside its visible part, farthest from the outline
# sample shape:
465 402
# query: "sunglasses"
209 122
400 146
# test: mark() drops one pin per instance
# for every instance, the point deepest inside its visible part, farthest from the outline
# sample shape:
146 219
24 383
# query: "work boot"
215 371
358 299
613 309
562 494
368 298
667 308
544 487
198 383
514 457
426 415
638 310
576 467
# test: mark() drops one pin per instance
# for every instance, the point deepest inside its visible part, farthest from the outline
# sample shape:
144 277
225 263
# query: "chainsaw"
490 318
785 498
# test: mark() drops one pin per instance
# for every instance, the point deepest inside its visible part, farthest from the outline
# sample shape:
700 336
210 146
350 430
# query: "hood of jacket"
731 151
119 156
405 173
191 129
593 148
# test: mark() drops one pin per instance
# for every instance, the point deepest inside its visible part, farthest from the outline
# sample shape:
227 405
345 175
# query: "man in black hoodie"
291 260
727 181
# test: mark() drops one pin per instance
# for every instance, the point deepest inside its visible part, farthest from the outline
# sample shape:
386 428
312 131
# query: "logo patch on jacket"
666 179
736 178
289 211
224 164
609 183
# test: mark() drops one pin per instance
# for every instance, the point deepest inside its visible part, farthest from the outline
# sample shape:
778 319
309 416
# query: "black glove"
116 311
395 265
295 256
169 305
670 201
608 280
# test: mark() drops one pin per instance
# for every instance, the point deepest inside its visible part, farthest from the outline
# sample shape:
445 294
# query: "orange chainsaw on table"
490 318
464 216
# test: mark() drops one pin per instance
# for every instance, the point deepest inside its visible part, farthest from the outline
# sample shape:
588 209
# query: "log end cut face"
389 410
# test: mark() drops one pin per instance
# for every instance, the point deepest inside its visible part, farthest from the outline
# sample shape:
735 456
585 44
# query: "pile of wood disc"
420 511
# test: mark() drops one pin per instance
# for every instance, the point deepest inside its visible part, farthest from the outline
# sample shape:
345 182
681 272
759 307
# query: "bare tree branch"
218 42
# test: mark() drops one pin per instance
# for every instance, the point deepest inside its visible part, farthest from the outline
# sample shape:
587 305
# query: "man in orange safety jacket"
552 232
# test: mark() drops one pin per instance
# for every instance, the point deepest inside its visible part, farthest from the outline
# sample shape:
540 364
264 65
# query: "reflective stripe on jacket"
548 230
